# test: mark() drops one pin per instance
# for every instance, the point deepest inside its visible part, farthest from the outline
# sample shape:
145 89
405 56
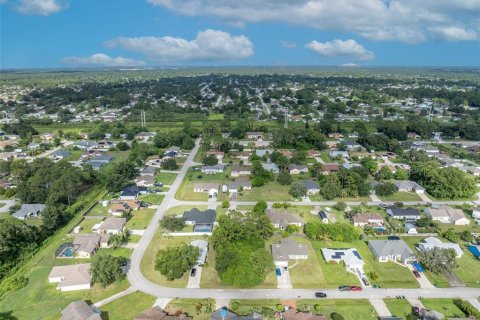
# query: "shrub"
340 206
336 316
235 305
280 307
317 307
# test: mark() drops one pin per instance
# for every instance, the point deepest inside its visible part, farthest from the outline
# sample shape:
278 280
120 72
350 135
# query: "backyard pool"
66 252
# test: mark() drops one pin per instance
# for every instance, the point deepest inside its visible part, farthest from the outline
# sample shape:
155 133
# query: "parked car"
145 204
357 288
416 311
416 274
285 269
278 272
383 205
345 288
158 184
320 295
365 281
193 272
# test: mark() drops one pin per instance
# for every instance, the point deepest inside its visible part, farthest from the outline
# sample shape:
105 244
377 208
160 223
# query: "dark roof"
200 217
396 211
132 191
310 184
322 215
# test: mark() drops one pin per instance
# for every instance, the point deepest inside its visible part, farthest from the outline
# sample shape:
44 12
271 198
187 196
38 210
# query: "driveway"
453 280
381 308
194 282
423 280
8 204
284 281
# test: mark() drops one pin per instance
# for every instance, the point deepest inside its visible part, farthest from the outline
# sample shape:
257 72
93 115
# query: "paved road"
8 204
139 282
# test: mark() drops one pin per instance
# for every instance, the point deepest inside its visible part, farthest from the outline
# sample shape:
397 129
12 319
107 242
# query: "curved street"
139 282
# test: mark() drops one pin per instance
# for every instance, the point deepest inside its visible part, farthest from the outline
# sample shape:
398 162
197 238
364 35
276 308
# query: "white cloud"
102 60
349 64
38 7
288 44
341 49
455 33
404 20
209 45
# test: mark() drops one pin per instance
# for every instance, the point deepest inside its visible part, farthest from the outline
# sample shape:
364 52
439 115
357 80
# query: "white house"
391 250
219 168
288 249
432 242
72 277
447 214
112 225
350 257
209 187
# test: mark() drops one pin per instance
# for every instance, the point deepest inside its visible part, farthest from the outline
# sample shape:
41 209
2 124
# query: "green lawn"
349 309
98 210
118 252
147 264
189 306
179 210
399 307
118 155
185 191
391 275
272 191
87 225
165 177
140 219
127 307
246 306
445 306
152 198
318 197
402 196
74 154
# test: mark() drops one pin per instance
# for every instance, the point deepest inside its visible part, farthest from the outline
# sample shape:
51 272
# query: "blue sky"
116 33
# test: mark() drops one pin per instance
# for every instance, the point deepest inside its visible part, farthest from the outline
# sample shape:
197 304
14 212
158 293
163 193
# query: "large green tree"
173 262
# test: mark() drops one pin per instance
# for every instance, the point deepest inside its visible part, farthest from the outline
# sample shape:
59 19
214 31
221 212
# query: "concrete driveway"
284 281
8 204
423 280
194 282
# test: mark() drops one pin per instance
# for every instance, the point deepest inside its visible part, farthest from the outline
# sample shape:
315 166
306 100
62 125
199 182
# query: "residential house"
60 154
218 168
331 144
202 246
328 168
96 165
335 154
218 154
132 192
312 186
145 135
335 135
84 145
432 242
148 171
238 170
447 214
145 181
368 219
294 314
156 313
243 155
297 169
235 186
261 152
210 187
286 153
313 154
391 250
409 186
122 207
351 145
281 219
410 228
270 166
254 135
403 213
29 210
86 245
80 310
112 226
202 221
350 257
288 249
72 277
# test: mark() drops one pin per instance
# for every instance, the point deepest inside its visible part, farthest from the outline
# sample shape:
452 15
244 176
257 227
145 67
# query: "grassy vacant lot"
189 306
147 264
445 306
318 197
165 177
98 210
402 196
391 275
140 219
118 156
399 308
349 309
179 210
185 191
272 191
87 224
210 277
127 307
152 198
247 306
74 154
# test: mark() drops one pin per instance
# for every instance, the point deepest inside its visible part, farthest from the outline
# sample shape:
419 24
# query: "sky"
153 33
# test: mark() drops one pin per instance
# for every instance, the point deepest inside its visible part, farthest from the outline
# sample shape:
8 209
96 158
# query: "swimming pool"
68 252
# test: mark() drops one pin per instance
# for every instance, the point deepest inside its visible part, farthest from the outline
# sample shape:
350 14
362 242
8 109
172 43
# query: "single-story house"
351 145
350 257
148 171
156 313
391 250
202 246
288 249
121 207
243 155
403 213
210 187
132 192
145 135
173 150
80 310
218 154
234 186
368 219
112 226
96 165
60 154
270 166
312 186
432 242
86 245
334 154
238 170
328 168
218 168
102 158
335 135
447 214
84 145
283 219
313 153
145 181
29 210
202 221
261 152
410 228
254 135
294 314
286 153
71 277
409 186
297 169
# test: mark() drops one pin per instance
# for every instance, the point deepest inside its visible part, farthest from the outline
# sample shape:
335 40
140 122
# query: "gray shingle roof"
200 217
